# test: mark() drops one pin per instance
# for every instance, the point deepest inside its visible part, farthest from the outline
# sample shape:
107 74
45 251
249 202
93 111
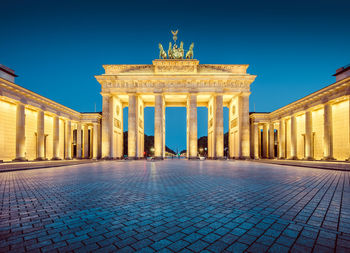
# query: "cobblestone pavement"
173 206
13 166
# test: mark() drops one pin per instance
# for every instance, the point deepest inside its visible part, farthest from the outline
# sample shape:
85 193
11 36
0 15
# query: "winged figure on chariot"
175 52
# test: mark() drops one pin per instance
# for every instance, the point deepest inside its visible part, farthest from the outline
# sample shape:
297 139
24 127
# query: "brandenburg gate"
175 80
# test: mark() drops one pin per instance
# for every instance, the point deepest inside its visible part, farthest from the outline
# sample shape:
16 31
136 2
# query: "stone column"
56 138
293 137
41 135
20 133
219 127
308 135
79 141
105 139
158 127
327 133
271 141
132 127
282 140
265 142
95 141
256 141
68 140
86 141
243 103
192 125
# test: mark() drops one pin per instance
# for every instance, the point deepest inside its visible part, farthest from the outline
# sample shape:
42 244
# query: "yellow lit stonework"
315 127
179 83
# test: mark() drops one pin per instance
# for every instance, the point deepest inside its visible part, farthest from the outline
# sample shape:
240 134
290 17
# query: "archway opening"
175 131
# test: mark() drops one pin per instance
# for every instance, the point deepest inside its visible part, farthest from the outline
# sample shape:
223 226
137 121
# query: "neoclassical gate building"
180 83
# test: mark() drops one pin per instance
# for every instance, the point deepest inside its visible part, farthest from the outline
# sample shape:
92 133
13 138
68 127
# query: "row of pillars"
134 151
21 138
268 137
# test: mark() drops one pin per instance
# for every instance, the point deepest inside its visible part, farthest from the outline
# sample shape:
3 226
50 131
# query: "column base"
192 158
41 159
328 158
293 158
20 159
55 159
281 158
68 158
132 158
244 158
309 158
256 158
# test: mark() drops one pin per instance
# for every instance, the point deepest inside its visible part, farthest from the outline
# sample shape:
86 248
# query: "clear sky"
56 47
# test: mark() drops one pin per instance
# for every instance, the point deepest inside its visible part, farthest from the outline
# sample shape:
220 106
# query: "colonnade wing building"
316 127
33 127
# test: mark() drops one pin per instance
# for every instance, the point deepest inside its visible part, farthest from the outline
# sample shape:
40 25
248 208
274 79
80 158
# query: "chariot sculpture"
175 52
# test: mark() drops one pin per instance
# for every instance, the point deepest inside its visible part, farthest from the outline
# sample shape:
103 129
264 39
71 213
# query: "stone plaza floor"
175 206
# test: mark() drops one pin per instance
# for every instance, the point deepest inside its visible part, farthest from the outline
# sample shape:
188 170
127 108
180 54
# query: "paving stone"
180 206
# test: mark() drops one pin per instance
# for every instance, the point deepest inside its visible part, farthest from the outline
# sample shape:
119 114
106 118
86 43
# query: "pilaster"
20 133
293 137
271 141
41 135
86 141
56 138
265 141
68 140
256 141
79 141
158 127
308 135
219 127
192 125
105 138
244 134
327 133
282 140
95 141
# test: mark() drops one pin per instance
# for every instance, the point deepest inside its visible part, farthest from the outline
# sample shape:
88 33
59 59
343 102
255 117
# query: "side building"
33 127
315 127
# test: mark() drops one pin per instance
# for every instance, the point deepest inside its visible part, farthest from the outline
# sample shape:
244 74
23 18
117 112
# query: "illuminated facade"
33 127
315 127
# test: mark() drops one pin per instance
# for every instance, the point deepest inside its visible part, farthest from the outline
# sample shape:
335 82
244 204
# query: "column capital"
105 94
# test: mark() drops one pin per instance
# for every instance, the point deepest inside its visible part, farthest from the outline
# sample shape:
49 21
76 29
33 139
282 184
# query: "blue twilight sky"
56 47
